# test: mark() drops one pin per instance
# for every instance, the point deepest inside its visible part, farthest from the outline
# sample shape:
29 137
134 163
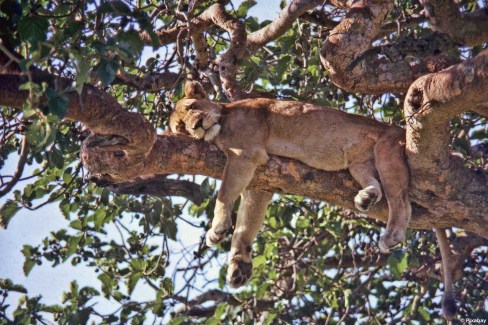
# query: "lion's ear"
194 90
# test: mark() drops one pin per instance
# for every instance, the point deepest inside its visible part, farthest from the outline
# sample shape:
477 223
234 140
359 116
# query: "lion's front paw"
387 241
239 272
212 237
365 199
217 233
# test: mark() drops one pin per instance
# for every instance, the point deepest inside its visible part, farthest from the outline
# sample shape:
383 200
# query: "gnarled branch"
469 28
353 67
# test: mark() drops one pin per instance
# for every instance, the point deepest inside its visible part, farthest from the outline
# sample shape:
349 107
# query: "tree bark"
142 153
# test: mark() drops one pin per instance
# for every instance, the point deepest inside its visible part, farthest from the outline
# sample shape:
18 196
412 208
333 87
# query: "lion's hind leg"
394 176
365 174
250 218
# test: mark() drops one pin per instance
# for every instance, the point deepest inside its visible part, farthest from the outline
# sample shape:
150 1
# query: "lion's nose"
198 125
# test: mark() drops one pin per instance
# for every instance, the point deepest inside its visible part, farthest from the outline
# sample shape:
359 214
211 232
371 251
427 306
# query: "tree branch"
430 104
352 67
141 154
155 185
20 167
470 28
280 25
150 82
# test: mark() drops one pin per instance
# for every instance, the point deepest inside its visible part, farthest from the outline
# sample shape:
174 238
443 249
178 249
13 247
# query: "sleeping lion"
249 130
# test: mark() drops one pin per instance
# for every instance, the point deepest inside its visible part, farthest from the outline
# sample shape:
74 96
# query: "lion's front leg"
250 218
238 172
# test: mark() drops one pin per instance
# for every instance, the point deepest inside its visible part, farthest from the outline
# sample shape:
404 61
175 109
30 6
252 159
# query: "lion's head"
195 114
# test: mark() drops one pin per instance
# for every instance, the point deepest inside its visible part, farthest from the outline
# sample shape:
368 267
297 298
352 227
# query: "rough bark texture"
437 176
353 67
469 29
172 154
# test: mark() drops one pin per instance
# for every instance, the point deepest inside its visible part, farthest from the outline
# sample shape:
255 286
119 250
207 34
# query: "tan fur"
321 137
448 301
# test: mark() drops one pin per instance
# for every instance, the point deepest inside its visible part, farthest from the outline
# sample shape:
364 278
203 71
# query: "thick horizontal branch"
181 155
125 148
101 113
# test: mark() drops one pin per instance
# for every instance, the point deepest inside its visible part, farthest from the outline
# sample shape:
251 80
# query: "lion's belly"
328 159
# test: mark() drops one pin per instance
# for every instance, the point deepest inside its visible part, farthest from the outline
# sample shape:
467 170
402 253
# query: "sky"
30 227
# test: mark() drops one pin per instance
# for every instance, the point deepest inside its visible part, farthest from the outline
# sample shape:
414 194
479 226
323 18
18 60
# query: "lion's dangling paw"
239 272
212 238
387 241
217 233
366 198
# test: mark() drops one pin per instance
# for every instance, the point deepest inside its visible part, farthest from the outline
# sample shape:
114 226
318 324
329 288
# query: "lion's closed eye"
180 128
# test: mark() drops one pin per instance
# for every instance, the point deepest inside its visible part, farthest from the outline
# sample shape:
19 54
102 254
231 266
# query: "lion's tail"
448 301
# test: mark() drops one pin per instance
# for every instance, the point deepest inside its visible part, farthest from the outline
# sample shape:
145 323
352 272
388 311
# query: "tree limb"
469 28
430 104
149 82
142 154
20 167
280 25
345 54
155 185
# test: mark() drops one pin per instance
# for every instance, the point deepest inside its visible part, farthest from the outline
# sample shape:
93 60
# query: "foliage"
312 263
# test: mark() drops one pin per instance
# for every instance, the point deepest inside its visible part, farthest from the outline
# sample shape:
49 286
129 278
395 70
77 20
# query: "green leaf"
205 188
258 261
167 286
76 224
302 222
270 318
7 211
479 134
40 134
398 262
57 104
168 227
28 265
7 284
137 265
424 314
56 158
33 29
25 65
133 279
220 310
177 321
64 206
99 217
106 70
108 283
130 43
82 71
244 7
72 246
